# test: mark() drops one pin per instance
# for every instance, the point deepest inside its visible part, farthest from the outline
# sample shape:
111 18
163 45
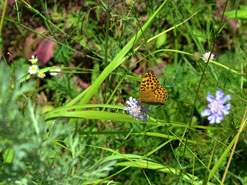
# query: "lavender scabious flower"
216 108
136 109
206 56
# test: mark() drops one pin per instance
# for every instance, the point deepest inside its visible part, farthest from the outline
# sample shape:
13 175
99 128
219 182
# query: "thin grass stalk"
244 119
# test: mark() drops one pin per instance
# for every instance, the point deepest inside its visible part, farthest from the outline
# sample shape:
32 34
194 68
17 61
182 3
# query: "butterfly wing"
150 90
161 95
149 82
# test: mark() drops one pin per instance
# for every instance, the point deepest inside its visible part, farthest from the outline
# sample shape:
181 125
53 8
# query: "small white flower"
206 56
34 59
54 71
33 69
41 75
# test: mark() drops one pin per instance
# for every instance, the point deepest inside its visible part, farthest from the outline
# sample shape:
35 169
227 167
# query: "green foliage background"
71 128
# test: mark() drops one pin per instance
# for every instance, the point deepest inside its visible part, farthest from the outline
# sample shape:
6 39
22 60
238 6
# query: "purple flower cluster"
136 109
216 107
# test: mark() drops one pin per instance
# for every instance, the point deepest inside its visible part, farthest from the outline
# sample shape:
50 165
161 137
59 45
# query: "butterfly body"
151 92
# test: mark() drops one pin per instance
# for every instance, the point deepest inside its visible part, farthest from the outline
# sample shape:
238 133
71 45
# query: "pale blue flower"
216 108
136 109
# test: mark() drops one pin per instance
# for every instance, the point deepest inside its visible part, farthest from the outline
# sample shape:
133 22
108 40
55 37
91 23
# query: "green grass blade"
118 59
225 154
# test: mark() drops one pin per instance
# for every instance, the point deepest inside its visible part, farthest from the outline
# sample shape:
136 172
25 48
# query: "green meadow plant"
92 129
35 151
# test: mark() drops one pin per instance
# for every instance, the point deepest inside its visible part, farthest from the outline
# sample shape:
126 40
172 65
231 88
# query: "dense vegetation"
71 73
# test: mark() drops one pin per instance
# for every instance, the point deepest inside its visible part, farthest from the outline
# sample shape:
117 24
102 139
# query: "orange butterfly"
151 92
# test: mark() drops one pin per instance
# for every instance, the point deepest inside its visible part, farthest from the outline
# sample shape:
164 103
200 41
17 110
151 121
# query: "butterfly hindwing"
161 95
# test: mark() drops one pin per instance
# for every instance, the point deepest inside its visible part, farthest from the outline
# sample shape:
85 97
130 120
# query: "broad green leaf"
237 14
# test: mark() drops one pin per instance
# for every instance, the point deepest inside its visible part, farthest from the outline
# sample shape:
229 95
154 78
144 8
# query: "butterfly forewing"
149 81
151 92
